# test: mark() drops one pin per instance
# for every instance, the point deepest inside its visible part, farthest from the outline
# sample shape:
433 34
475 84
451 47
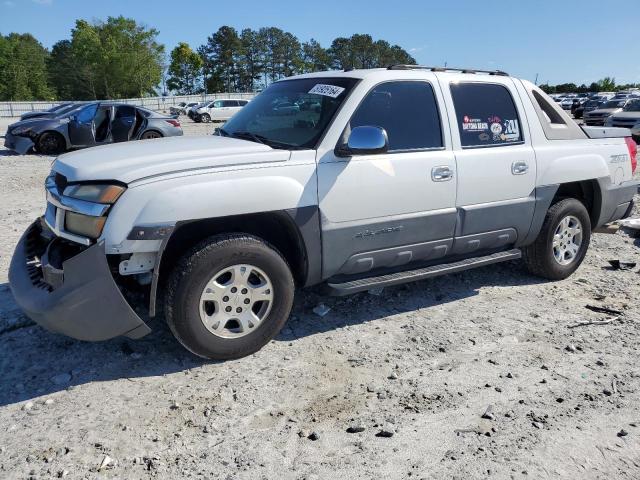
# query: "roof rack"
446 69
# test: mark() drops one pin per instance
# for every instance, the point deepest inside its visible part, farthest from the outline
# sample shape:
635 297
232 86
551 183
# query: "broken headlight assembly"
88 225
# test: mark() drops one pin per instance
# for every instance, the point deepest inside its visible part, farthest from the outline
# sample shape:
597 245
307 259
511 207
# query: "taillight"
633 153
175 123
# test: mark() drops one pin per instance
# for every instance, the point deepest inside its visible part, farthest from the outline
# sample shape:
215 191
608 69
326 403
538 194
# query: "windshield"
613 104
592 103
290 114
633 107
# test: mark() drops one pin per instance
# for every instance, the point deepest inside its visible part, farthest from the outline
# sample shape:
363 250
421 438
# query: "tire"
541 257
149 134
50 143
205 118
186 312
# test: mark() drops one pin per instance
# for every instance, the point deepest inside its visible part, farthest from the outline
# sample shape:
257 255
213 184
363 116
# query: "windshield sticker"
327 90
473 124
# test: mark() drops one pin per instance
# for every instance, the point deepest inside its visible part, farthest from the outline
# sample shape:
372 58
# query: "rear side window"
125 111
408 111
551 114
229 103
486 115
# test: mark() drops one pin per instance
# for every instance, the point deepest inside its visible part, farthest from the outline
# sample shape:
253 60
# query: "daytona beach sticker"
473 124
327 90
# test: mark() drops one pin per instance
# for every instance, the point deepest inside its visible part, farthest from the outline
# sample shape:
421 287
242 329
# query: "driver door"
395 208
81 127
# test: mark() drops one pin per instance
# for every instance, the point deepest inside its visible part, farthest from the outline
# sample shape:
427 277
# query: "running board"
362 284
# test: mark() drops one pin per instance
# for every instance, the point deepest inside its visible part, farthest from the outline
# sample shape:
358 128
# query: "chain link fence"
15 109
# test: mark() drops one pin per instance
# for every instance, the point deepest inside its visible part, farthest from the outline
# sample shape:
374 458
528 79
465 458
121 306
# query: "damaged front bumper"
76 296
18 144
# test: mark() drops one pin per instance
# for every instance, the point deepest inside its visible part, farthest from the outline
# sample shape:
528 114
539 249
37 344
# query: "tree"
607 84
185 70
360 51
117 58
23 68
314 57
251 57
220 54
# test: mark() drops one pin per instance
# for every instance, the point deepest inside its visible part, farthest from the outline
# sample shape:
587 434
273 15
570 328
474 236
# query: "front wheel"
205 118
229 297
50 143
562 242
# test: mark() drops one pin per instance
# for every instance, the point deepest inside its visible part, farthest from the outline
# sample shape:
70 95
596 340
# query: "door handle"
441 173
519 168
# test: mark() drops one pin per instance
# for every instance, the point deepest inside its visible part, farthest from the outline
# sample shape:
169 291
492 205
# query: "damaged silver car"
88 125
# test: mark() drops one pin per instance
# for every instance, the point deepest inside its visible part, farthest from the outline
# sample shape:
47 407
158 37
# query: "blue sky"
561 40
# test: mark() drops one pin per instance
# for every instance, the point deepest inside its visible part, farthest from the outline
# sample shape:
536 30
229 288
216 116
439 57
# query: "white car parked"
219 110
384 176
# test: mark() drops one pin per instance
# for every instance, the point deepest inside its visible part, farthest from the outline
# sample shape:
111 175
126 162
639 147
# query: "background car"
181 108
587 106
88 125
52 112
627 117
635 132
598 116
219 110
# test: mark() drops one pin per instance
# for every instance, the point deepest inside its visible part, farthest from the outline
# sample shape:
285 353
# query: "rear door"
123 123
495 162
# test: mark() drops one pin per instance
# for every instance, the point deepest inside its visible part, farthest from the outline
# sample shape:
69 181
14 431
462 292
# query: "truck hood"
135 160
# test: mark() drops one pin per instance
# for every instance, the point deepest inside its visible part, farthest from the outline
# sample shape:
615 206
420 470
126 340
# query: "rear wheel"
229 296
50 143
562 242
149 134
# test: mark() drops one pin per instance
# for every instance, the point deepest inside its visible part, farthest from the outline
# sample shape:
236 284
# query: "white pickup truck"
390 175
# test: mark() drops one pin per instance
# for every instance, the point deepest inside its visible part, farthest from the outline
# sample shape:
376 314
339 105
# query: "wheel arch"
295 233
589 192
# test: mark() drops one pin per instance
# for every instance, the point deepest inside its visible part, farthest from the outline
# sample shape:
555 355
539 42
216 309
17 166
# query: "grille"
61 182
33 248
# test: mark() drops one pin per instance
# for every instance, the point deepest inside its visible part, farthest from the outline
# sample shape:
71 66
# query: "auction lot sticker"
327 90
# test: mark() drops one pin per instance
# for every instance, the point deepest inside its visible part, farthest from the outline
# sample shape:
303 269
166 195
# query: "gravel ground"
474 375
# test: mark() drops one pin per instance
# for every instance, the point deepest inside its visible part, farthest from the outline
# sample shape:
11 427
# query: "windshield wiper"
250 136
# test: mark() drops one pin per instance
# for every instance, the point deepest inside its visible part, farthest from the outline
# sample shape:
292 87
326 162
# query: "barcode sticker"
327 90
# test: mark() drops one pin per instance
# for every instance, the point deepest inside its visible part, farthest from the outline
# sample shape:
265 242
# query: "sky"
558 41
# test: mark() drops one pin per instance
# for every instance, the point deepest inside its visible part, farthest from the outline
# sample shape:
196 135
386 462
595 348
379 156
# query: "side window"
125 111
217 104
407 110
86 114
229 103
486 115
551 114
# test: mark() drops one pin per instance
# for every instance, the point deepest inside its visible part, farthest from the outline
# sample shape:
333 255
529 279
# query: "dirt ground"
392 385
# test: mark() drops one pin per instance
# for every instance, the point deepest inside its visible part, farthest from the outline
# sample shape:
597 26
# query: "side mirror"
364 140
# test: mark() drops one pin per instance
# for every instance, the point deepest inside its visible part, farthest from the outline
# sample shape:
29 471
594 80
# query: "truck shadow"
36 363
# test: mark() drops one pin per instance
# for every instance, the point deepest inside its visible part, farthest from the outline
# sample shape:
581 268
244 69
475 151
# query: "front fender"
211 195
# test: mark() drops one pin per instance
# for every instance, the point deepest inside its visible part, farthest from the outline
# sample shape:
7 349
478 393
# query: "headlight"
20 130
94 192
84 225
